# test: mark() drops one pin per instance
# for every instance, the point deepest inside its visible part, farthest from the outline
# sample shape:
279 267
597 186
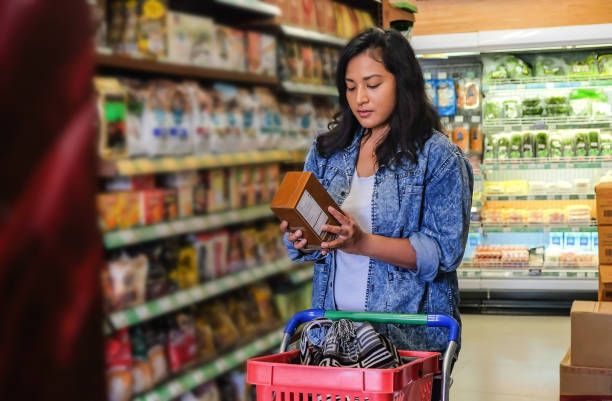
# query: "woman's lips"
364 113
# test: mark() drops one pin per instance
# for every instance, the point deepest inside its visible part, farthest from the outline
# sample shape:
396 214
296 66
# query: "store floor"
510 358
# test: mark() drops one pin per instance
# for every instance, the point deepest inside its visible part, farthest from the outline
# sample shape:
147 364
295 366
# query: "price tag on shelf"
163 229
198 377
442 75
565 197
232 281
165 304
241 355
476 119
458 119
175 388
182 297
222 365
143 312
197 293
152 397
575 229
427 75
179 227
127 236
507 229
119 319
507 128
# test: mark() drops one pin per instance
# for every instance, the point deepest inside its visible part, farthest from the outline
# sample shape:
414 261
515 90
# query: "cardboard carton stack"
586 370
603 193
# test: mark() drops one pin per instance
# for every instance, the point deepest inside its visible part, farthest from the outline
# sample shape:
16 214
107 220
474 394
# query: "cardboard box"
605 283
603 196
583 381
591 327
303 202
604 235
191 39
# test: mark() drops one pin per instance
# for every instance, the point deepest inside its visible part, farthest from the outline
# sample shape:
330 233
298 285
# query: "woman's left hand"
350 236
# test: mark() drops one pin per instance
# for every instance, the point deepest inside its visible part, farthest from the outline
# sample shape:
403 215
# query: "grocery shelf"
550 82
540 197
308 89
499 273
144 165
300 275
158 307
253 5
179 70
115 239
212 370
547 163
313 36
540 122
536 228
297 156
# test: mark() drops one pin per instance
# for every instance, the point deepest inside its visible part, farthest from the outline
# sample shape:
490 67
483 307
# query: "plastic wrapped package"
490 151
551 257
516 144
605 144
541 144
128 278
535 216
225 332
504 66
583 66
119 366
604 62
554 216
472 92
503 146
594 148
587 102
532 107
555 145
528 148
582 143
515 216
181 346
446 97
579 214
537 187
493 216
582 185
142 374
546 66
493 188
557 106
516 187
568 144
512 108
493 109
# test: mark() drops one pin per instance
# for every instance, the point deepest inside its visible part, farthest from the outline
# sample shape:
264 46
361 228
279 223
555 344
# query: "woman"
405 192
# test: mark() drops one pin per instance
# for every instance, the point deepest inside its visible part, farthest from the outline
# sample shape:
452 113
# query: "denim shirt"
427 202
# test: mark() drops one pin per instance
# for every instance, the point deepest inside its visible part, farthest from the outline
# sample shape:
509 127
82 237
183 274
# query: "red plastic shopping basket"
276 379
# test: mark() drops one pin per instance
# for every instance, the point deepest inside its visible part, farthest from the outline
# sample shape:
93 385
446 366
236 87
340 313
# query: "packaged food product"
118 210
594 143
516 144
605 143
181 346
152 206
119 366
157 277
244 315
461 136
579 214
112 105
532 106
475 139
535 216
170 204
604 62
503 146
135 104
460 91
490 147
191 39
581 66
205 338
528 140
493 187
557 106
185 272
231 48
130 29
581 102
504 66
155 340
152 28
235 258
516 187
582 143
472 91
446 97
512 108
549 66
258 182
541 144
567 142
142 374
493 109
536 187
128 278
555 146
217 191
554 216
224 330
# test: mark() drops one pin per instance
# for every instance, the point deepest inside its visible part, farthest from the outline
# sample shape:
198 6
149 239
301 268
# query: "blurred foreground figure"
51 344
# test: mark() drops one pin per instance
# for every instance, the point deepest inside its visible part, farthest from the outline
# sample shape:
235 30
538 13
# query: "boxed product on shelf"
231 48
112 101
118 210
605 283
191 39
151 27
152 207
591 323
130 183
212 251
261 53
579 382
603 197
241 188
307 14
217 190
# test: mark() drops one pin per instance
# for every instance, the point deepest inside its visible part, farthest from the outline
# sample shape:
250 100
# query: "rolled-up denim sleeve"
311 164
440 243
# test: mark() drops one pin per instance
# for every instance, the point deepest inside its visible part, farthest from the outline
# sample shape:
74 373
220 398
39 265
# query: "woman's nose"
362 96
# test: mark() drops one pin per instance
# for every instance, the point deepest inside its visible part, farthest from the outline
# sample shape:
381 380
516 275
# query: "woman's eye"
350 89
373 86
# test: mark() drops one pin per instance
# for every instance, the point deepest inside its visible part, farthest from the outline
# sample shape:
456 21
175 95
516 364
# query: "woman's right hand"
296 238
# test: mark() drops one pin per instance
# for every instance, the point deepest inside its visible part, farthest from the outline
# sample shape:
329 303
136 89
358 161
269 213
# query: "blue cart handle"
388 318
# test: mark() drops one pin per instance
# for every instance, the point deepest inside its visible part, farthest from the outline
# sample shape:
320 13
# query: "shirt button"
342 193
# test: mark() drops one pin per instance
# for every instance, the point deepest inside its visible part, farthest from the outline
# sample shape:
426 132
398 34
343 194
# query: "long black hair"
414 118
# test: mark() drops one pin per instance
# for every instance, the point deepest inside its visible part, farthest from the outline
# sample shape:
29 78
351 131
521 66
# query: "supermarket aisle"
510 358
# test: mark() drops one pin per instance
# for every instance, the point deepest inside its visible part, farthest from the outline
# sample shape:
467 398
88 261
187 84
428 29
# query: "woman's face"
370 90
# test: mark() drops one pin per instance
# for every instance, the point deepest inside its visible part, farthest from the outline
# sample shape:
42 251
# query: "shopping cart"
276 379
